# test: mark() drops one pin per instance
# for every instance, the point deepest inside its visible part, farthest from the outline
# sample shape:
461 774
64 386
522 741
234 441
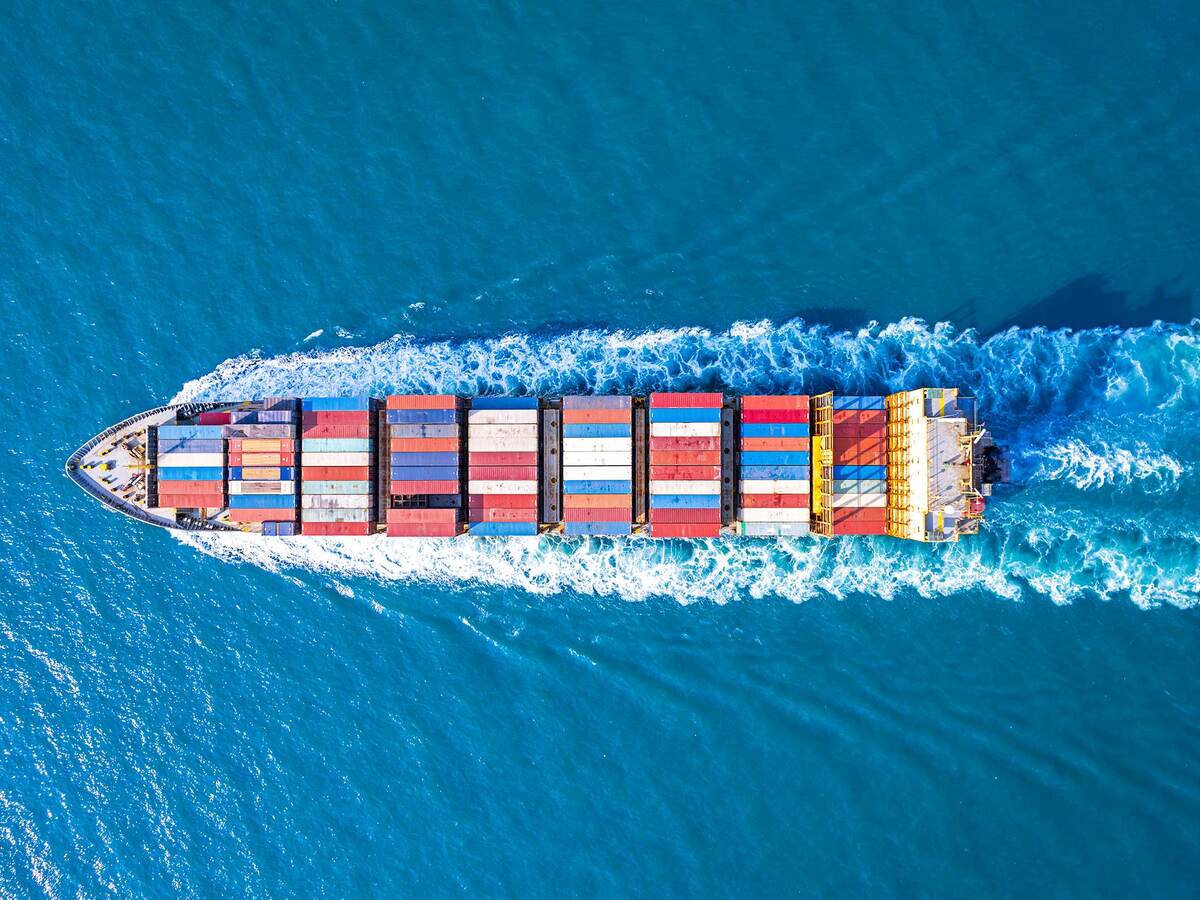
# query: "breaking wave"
1100 423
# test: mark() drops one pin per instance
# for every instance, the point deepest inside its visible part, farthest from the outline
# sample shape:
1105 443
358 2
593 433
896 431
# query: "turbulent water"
314 197
1092 512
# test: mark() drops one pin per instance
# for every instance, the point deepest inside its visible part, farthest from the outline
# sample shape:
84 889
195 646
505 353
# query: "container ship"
917 465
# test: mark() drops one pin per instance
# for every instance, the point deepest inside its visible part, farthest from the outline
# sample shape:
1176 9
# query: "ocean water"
202 201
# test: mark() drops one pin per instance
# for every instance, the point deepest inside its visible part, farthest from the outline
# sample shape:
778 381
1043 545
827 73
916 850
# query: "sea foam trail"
1086 413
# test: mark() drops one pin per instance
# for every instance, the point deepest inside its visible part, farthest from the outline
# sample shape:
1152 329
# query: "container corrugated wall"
774 466
502 434
859 488
424 445
337 461
597 472
685 465
262 466
190 464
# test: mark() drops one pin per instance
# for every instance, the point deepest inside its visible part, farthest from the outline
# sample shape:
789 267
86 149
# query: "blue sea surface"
212 200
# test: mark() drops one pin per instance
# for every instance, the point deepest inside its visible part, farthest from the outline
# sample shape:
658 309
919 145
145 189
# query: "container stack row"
773 466
425 489
859 465
502 447
337 450
597 459
685 465
191 467
262 465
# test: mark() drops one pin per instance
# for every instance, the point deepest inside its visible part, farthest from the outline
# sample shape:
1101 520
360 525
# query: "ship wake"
1101 424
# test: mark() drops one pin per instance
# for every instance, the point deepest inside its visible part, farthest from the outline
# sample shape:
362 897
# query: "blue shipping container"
775 473
449 458
262 501
193 473
424 473
190 431
598 487
775 429
190 445
505 529
422 416
870 473
774 458
594 528
596 431
685 501
504 403
335 404
269 529
686 414
285 529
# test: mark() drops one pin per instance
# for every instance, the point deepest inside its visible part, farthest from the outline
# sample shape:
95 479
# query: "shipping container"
330 404
503 529
870 473
422 416
503 473
498 501
209 432
683 486
862 501
260 459
610 430
256 515
337 487
686 400
685 501
478 417
262 487
423 487
262 473
756 486
785 430
422 401
687 415
691 473
686 530
179 458
772 529
310 432
337 445
502 445
775 473
336 501
261 501
775 401
597 401
258 431
487 458
774 458
588 486
336 459
335 515
424 445
335 417
337 529
769 443
773 514
198 473
424 459
685 443
504 403
502 487
676 516
423 516
214 488
503 514
424 473
596 416
191 445
685 457
857 403
424 530
597 501
499 432
597 529
336 473
763 416
690 429
190 501
597 473
213 418
262 445
774 501
572 457
613 513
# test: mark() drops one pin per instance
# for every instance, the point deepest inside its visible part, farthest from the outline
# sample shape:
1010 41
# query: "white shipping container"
783 514
502 431
262 487
584 458
502 416
597 473
174 460
501 445
335 501
756 486
336 459
685 487
335 515
600 445
685 429
772 529
336 487
860 501
502 487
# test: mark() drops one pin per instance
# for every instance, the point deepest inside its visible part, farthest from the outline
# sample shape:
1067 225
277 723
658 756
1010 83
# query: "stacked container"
502 445
191 466
773 467
262 465
597 474
859 492
336 453
424 434
685 465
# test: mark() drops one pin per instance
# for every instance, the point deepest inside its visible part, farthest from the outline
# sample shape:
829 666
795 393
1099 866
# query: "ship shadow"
1091 301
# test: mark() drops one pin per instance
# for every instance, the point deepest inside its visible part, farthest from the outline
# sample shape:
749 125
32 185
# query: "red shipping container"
858 514
596 501
776 401
687 473
421 516
427 529
422 401
685 457
685 530
423 445
177 486
873 417
685 443
262 515
203 501
340 473
598 514
503 473
776 444
502 501
775 501
336 417
595 417
680 516
685 400
214 418
336 431
337 529
423 487
759 416
497 458
847 416
503 514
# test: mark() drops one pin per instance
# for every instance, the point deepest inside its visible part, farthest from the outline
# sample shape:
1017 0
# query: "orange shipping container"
597 501
423 445
778 444
422 401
